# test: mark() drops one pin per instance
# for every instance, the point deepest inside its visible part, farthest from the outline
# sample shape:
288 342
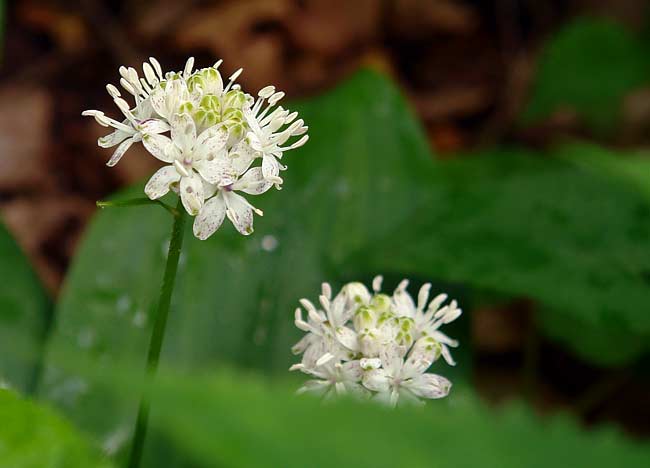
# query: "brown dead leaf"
333 27
244 34
452 102
66 28
48 227
500 329
25 115
419 18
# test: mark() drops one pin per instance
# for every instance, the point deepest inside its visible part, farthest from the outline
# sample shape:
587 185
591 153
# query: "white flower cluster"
375 345
216 134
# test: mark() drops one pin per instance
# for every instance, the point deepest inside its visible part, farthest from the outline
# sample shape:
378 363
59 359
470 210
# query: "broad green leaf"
632 168
602 343
24 313
33 436
362 197
588 68
519 223
236 420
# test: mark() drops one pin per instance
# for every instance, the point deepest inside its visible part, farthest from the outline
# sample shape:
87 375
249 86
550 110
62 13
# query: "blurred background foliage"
497 149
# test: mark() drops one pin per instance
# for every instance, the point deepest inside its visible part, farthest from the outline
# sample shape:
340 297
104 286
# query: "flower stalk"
158 332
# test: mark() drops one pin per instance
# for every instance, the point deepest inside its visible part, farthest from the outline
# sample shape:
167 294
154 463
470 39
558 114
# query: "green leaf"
362 197
33 436
588 68
517 223
238 420
24 313
632 168
607 344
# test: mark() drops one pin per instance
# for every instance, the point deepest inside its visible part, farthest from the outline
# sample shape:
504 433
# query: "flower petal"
165 101
242 156
352 371
183 132
391 358
159 183
215 171
210 142
429 386
143 110
376 380
270 167
304 342
348 338
153 126
112 139
317 387
404 304
446 355
119 152
253 182
192 193
239 212
158 146
210 217
209 189
157 98
370 363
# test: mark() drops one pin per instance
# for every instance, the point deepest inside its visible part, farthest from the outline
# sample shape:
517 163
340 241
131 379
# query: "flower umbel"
211 135
375 345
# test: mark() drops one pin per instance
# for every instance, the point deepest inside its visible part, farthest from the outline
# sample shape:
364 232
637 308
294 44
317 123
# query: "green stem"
158 332
137 202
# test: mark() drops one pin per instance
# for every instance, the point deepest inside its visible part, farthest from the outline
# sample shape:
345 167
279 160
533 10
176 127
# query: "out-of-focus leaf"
235 420
362 197
630 167
24 309
608 342
33 436
588 67
515 222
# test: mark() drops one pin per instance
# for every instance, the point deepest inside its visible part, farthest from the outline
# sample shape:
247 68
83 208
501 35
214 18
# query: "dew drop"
269 243
86 338
115 440
103 280
139 319
123 304
68 391
342 188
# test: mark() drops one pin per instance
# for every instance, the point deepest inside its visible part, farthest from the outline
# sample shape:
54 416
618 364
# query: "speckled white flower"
217 133
194 159
405 378
427 322
383 343
138 124
270 130
334 379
